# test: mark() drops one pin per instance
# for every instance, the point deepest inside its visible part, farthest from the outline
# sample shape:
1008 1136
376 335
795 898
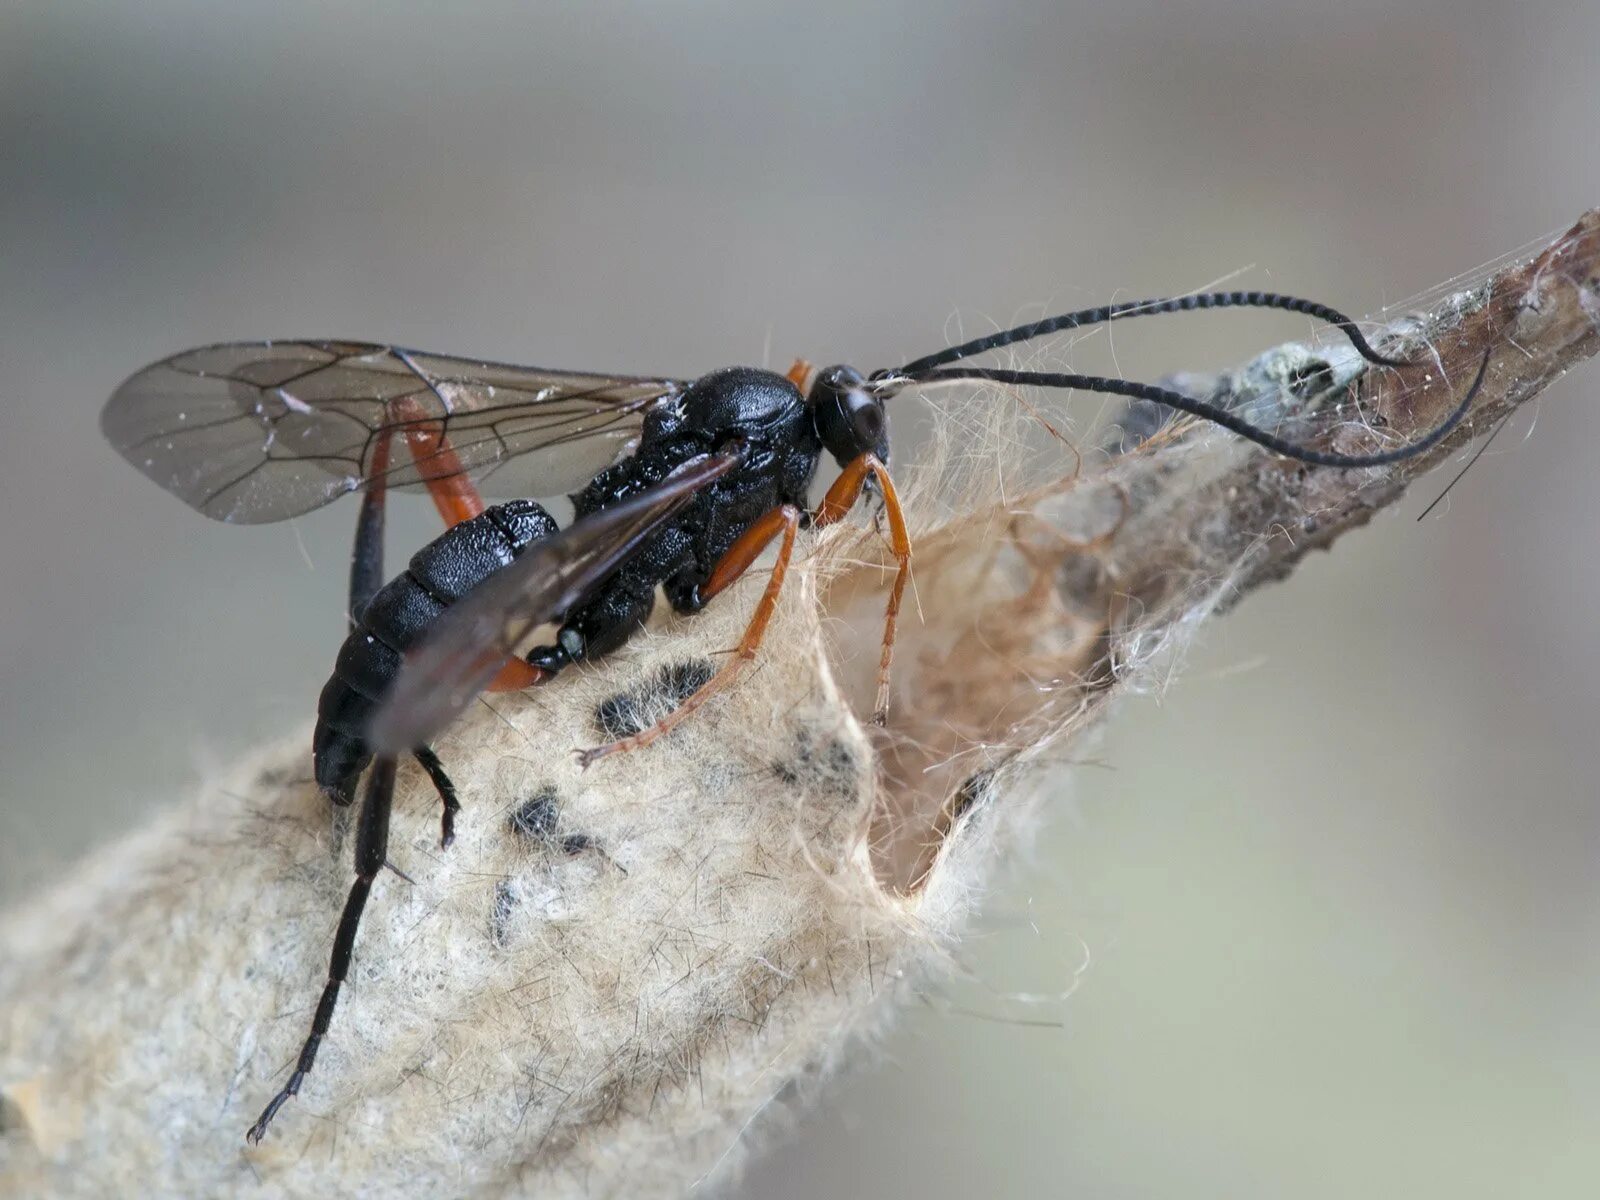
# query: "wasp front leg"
844 495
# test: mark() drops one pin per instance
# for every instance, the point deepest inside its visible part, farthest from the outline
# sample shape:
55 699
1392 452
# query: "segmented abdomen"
402 611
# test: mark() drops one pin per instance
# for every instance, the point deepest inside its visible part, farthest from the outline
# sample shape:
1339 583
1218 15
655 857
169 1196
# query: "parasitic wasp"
676 484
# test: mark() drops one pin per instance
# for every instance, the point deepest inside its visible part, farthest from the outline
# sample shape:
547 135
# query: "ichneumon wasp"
677 484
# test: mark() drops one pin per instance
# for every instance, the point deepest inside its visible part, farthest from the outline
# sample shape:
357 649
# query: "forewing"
251 432
464 651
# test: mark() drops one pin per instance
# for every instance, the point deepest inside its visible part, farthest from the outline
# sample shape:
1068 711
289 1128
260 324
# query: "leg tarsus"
429 761
841 498
399 872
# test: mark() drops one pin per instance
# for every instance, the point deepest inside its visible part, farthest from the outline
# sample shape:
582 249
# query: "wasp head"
849 418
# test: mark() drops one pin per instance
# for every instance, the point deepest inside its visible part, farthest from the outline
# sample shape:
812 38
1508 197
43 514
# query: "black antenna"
1145 308
1216 414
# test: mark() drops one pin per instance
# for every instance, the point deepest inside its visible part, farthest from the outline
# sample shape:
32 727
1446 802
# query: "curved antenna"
1216 414
1145 308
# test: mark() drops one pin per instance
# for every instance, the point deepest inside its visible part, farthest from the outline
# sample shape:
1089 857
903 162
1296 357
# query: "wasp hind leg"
441 471
456 499
366 557
372 843
436 460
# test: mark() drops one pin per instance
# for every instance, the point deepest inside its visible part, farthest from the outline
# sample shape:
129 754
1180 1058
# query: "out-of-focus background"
1300 966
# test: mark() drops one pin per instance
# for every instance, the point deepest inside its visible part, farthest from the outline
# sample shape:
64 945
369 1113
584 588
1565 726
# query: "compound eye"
850 419
866 418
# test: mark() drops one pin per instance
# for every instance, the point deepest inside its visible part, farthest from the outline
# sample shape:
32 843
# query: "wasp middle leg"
782 521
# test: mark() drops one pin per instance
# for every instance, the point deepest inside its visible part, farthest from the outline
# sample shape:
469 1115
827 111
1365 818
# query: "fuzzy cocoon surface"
610 967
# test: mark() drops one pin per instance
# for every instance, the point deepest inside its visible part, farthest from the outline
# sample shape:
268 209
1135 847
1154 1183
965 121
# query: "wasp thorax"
850 420
739 400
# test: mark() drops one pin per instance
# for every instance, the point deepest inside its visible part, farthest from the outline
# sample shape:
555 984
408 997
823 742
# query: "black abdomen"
402 611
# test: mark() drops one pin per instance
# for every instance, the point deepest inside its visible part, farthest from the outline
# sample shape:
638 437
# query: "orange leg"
841 498
516 675
800 375
453 493
785 521
457 500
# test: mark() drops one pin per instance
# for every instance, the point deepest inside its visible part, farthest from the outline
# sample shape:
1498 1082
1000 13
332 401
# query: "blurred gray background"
1360 966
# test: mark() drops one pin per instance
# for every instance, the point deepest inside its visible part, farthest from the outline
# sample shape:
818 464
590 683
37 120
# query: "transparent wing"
464 651
259 431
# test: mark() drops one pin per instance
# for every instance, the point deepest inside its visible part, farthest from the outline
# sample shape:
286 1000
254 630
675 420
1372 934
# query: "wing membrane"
466 648
251 432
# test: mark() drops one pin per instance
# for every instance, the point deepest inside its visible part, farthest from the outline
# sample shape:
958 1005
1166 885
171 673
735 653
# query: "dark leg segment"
430 763
436 461
366 559
453 493
372 841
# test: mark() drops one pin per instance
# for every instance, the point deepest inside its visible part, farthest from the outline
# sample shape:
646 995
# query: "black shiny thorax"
759 411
